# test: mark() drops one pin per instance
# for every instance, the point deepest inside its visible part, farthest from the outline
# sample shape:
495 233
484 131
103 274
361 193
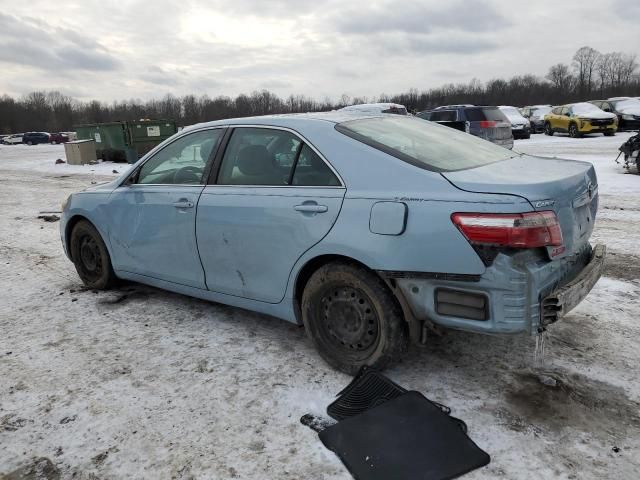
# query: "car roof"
291 120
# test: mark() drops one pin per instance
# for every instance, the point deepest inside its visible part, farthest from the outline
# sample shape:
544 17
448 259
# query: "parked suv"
627 110
33 138
577 119
485 122
520 126
535 114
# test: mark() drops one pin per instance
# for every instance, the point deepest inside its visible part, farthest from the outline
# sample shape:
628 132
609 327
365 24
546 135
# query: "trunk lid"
568 187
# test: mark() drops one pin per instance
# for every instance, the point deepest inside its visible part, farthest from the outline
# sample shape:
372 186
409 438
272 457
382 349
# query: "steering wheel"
189 175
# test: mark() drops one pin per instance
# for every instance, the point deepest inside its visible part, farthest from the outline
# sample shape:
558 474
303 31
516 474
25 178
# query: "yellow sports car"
577 119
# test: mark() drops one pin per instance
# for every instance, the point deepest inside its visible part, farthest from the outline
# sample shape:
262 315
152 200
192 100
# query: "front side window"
424 144
181 162
264 156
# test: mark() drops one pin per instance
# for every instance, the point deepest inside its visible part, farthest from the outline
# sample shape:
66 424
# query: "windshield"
628 103
423 143
582 108
540 111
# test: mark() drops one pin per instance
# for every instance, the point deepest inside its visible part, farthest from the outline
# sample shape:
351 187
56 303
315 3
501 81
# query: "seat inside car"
256 167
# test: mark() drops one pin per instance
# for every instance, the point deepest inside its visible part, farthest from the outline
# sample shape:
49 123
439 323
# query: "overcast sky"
147 48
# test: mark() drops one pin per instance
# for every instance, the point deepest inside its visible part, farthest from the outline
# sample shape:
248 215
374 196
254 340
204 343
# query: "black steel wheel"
352 318
548 130
91 257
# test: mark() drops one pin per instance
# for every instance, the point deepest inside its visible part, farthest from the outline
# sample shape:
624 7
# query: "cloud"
420 18
26 41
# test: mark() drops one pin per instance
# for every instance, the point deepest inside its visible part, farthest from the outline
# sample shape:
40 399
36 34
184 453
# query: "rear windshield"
484 113
423 143
396 110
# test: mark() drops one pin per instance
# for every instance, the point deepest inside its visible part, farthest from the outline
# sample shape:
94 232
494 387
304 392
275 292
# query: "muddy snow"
141 383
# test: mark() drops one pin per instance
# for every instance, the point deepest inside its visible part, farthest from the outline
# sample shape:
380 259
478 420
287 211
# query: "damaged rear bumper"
509 298
567 297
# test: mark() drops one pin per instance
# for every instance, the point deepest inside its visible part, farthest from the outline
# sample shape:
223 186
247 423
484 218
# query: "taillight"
487 124
516 230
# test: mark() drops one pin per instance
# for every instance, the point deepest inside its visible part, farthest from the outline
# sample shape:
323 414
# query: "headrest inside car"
255 160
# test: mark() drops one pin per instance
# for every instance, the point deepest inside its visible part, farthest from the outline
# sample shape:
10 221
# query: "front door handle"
183 204
311 208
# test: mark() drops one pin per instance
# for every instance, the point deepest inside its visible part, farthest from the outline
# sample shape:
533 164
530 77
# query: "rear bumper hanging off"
564 299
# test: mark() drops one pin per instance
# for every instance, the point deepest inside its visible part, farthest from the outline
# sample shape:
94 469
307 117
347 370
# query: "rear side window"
444 116
265 156
424 144
312 171
481 114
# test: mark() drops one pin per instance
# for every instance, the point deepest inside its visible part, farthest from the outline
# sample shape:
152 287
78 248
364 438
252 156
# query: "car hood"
630 111
567 187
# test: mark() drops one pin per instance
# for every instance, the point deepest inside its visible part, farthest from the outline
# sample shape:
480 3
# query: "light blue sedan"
371 230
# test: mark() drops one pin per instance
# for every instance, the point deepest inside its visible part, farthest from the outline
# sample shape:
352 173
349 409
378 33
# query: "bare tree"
561 77
584 62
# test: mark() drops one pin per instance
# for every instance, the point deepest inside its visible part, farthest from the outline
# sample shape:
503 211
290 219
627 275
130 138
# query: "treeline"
590 75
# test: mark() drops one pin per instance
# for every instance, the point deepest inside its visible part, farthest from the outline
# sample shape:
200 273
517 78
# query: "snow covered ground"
141 383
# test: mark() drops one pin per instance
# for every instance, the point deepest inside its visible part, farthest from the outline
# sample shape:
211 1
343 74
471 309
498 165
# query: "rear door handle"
311 208
183 204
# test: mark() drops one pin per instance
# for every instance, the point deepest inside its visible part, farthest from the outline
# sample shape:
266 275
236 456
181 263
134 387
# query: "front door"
152 215
275 198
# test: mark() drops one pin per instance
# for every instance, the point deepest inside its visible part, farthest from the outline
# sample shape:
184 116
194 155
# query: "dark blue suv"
482 121
33 138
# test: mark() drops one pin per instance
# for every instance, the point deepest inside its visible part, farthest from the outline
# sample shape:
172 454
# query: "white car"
13 139
520 126
395 108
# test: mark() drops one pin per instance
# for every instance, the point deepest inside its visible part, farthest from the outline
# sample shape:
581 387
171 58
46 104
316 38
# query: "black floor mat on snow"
369 389
405 438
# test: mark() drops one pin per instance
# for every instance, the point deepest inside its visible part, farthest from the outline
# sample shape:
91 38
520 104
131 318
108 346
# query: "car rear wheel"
548 130
352 318
91 257
609 134
29 142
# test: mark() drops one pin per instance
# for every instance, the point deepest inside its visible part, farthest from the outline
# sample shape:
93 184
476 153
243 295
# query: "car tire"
29 142
573 131
527 136
609 134
352 318
548 130
91 257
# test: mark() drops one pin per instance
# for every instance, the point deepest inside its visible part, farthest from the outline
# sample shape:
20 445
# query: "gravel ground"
141 383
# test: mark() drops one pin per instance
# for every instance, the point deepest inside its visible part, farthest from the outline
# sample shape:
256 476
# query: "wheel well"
310 267
69 228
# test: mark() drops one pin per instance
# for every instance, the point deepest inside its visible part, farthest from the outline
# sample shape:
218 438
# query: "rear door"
274 198
152 215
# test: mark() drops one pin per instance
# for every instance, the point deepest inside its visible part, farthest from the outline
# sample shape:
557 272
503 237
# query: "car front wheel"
548 130
91 257
573 131
352 318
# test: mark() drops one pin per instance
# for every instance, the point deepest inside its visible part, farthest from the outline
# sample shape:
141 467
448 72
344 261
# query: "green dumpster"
126 141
